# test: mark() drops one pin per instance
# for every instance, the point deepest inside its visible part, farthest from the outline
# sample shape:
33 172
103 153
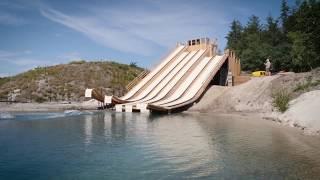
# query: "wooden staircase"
136 80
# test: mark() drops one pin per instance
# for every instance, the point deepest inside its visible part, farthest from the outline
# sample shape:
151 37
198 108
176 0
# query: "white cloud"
142 30
110 37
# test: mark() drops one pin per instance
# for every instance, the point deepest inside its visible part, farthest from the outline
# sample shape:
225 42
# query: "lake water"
105 145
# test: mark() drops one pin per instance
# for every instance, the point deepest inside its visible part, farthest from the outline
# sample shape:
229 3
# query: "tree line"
291 41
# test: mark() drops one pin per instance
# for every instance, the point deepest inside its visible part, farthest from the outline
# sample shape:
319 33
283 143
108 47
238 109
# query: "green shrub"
40 99
133 64
306 85
4 80
281 100
78 62
301 87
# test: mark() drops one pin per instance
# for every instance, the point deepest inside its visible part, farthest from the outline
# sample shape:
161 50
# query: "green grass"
306 85
4 80
281 99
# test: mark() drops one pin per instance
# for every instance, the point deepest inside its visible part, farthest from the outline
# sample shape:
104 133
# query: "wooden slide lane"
163 85
178 79
195 90
154 73
159 80
186 83
172 79
150 77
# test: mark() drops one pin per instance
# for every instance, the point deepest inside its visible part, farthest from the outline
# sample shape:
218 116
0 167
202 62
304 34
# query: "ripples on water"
87 145
6 115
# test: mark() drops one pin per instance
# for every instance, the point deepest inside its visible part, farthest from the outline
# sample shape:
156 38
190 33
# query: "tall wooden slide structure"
178 81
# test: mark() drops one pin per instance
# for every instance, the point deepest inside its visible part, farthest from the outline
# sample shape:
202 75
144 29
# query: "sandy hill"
67 82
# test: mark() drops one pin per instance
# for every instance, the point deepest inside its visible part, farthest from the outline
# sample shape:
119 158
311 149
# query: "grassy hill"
67 82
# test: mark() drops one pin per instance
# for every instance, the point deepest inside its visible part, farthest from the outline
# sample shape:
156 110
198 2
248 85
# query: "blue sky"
40 33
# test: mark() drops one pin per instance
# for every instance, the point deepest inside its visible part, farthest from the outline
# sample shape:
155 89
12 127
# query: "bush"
78 62
133 64
4 80
281 100
40 99
306 85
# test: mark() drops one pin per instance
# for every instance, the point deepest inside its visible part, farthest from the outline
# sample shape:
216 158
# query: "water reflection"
140 146
197 146
251 147
87 129
107 120
184 144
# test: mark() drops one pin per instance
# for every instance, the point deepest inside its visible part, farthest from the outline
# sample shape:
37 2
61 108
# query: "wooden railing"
235 68
136 80
234 63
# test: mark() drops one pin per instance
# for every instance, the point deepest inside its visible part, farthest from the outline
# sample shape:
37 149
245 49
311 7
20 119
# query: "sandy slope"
252 96
255 96
304 112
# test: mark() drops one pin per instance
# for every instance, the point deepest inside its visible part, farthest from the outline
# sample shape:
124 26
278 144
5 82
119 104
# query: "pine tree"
253 53
291 41
272 33
253 25
284 14
234 36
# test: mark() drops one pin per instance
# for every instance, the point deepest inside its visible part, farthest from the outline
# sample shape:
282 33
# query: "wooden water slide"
138 87
178 81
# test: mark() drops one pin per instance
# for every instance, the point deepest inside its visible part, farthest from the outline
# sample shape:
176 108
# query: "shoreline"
93 104
48 106
273 118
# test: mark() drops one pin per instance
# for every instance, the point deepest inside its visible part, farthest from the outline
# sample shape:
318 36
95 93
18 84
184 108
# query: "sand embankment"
304 112
256 96
252 96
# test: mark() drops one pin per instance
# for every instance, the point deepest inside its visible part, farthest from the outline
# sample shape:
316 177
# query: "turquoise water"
105 145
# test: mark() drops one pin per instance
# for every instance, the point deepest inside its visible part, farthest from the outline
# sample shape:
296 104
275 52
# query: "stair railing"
137 79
